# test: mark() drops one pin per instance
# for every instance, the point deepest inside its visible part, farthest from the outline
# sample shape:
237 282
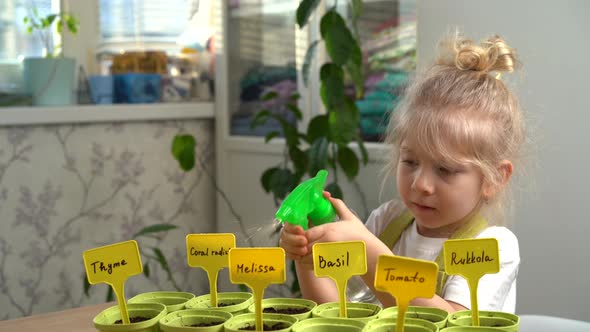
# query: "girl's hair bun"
492 55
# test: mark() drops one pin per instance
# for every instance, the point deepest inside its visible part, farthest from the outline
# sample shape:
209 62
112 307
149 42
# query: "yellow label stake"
405 279
340 261
112 265
472 258
257 268
211 253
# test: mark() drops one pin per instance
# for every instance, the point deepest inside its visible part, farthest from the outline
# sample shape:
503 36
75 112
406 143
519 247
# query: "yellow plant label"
340 261
112 264
209 251
405 279
472 258
257 266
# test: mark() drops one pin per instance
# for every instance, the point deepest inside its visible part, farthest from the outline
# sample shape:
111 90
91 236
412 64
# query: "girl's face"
440 195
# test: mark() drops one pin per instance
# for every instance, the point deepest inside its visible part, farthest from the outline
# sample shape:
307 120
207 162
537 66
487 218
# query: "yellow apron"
396 227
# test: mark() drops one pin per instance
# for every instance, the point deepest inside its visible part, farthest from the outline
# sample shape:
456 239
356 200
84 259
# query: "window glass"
262 53
387 31
15 41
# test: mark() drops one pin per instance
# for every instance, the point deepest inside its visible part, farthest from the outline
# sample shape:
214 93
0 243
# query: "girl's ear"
505 170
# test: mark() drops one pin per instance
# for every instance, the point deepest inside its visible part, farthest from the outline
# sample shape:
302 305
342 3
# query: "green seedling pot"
232 302
240 322
502 321
435 315
105 320
470 329
364 312
410 325
328 325
282 304
183 320
172 300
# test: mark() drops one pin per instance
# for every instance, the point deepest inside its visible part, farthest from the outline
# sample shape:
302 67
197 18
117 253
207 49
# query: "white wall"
552 221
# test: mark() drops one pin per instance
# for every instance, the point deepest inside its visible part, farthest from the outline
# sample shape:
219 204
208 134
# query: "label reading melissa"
257 266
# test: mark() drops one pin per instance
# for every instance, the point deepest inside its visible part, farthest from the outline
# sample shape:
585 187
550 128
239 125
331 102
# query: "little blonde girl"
456 138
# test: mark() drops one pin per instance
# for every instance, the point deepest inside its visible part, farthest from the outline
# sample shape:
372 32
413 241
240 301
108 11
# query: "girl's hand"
349 228
293 241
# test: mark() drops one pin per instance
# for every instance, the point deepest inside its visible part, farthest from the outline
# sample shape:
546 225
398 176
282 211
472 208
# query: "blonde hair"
459 110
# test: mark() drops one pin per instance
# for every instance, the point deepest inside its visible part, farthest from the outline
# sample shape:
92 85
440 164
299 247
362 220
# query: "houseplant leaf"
332 85
266 177
183 150
343 123
337 37
318 127
299 159
155 229
282 182
348 161
318 155
304 11
307 60
334 190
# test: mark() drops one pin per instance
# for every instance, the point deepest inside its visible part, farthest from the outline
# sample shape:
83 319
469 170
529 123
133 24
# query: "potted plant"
360 311
271 322
298 308
470 329
50 79
435 315
173 301
410 325
501 321
328 325
197 320
325 143
144 317
232 302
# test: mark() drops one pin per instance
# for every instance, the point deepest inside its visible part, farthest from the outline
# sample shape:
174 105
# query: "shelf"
15 116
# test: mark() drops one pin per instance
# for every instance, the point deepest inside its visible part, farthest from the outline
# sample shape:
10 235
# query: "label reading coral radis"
209 251
257 266
112 264
472 257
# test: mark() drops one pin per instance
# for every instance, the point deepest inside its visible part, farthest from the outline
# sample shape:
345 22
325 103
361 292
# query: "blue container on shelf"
137 88
101 89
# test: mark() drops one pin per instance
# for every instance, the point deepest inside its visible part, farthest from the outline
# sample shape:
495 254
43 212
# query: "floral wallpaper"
68 188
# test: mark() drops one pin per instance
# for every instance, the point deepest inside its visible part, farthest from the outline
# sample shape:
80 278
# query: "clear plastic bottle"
358 291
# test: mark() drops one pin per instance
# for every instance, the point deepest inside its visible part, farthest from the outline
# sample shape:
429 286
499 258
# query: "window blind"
144 24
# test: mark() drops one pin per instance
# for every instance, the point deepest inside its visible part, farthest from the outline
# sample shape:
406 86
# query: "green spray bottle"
306 201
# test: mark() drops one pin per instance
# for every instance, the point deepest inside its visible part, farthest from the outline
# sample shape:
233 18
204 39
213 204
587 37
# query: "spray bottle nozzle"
306 201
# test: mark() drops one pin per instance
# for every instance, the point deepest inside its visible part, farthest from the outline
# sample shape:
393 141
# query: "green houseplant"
50 79
325 142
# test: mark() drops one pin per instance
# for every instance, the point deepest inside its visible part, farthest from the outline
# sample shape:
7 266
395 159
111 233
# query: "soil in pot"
266 327
207 324
285 311
136 319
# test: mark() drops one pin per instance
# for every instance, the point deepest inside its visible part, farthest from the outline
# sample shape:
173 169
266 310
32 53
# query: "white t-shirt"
496 292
